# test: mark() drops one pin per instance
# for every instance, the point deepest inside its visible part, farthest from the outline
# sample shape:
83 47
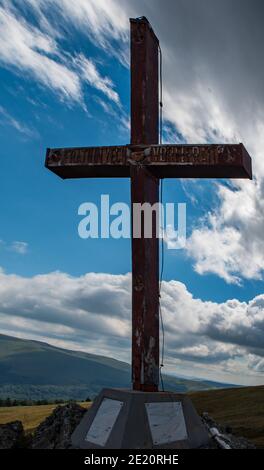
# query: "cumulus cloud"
229 242
93 313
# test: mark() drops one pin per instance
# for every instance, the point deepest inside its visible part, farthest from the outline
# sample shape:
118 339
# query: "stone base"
123 419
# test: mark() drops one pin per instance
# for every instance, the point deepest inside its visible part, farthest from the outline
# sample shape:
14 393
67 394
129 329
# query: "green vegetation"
34 371
30 394
241 408
31 416
8 402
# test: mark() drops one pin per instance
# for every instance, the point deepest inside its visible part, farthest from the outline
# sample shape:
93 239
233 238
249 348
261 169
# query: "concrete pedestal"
123 419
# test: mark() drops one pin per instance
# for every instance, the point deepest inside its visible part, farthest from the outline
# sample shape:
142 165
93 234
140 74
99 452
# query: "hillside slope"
241 408
35 370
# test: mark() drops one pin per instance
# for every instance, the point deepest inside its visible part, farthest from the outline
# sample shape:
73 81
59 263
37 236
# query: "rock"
222 437
55 432
12 435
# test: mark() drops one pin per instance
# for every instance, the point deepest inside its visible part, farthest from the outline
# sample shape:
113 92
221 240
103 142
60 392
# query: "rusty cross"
146 162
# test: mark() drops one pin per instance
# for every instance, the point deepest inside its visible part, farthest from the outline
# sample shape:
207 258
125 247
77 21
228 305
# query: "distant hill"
34 370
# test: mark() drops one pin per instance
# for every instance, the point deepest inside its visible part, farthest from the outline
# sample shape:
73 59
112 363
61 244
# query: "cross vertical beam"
144 83
144 188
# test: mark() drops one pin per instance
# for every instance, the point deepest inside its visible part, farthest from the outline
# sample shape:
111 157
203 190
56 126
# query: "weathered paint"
164 161
144 83
144 188
145 289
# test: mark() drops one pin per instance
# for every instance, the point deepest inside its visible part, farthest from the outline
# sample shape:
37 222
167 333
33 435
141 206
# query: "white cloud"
229 242
199 116
18 247
103 21
27 49
92 76
6 118
93 313
256 364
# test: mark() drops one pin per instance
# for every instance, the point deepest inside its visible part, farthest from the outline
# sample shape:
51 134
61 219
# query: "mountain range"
33 370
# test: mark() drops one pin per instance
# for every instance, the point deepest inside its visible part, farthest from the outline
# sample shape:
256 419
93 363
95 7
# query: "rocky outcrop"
12 435
55 432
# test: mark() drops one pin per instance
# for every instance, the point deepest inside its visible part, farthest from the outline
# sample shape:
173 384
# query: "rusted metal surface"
144 188
164 161
145 288
88 162
144 83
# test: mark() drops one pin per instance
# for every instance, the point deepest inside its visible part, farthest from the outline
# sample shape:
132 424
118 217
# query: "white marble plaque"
166 422
104 421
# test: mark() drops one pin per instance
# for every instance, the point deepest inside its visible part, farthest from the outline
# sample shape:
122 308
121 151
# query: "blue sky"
65 82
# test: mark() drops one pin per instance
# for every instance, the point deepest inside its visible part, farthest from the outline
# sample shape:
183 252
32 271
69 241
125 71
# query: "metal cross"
146 162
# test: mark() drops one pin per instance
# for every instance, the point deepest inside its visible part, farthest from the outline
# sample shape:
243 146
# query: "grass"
31 416
241 408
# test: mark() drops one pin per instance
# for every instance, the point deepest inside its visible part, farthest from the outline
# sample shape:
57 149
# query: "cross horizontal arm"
164 161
